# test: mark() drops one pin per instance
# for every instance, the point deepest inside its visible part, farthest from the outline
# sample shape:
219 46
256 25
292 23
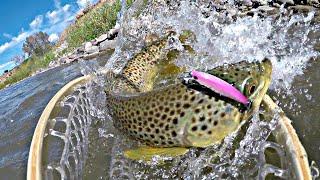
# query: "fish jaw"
264 83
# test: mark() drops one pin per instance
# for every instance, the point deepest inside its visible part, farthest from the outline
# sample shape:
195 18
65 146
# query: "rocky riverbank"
89 50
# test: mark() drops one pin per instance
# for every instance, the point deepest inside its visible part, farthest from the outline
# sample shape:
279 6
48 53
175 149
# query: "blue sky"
21 18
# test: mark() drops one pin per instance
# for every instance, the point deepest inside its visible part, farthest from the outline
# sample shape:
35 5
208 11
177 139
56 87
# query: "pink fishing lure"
219 86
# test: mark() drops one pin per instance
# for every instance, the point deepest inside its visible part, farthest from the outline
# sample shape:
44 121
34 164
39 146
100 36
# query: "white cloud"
66 7
53 37
83 3
6 66
14 41
9 36
36 23
58 14
4 47
21 37
57 4
53 16
53 22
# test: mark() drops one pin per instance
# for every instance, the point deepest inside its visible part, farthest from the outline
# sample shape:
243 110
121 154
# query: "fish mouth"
265 80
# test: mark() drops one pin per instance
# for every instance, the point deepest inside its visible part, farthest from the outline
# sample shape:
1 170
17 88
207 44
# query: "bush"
37 44
28 67
93 24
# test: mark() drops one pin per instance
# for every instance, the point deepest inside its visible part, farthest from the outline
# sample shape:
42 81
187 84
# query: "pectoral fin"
146 153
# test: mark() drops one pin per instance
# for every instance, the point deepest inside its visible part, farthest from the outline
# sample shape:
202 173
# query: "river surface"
20 108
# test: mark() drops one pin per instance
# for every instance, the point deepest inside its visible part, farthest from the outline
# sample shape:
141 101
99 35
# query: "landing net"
59 148
59 145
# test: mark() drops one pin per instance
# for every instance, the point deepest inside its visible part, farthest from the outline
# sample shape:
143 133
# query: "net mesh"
68 136
67 148
225 161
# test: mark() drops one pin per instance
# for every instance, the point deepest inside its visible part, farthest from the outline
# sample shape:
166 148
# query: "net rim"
35 152
292 143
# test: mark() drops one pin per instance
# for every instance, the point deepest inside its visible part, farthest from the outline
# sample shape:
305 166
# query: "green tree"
37 44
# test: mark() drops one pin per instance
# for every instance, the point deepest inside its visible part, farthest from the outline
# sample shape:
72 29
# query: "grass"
93 24
28 67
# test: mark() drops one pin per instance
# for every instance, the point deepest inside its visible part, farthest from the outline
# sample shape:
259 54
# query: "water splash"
220 39
217 38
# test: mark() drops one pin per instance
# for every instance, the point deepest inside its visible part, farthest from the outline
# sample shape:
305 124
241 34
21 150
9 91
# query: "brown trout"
178 115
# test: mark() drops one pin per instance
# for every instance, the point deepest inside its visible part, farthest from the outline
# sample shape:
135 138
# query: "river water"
20 108
295 83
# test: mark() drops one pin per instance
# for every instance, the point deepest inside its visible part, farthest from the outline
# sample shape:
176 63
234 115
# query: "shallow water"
20 108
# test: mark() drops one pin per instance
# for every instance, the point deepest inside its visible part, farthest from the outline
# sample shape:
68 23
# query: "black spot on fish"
215 123
204 127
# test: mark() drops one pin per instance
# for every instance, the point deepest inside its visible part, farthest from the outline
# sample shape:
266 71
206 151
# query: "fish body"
178 115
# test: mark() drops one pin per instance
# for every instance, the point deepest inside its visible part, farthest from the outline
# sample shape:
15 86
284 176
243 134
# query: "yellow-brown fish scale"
142 63
154 118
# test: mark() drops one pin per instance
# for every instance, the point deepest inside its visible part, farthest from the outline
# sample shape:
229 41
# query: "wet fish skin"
179 116
176 115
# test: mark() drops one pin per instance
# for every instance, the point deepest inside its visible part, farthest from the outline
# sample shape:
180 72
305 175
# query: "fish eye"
252 89
249 86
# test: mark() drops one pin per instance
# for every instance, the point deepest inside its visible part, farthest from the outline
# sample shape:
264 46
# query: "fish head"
251 78
210 126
